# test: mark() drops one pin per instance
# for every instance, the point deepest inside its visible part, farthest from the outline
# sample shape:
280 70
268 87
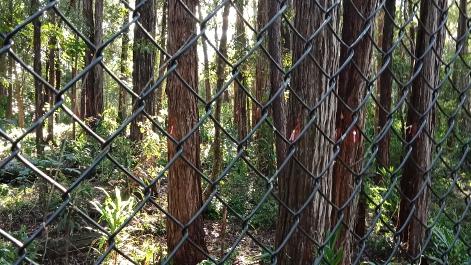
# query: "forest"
198 132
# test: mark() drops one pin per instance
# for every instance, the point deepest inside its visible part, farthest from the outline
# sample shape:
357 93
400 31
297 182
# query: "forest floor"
71 239
21 214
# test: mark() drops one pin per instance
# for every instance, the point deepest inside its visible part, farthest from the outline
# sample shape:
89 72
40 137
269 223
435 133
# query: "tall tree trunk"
240 98
220 73
52 46
89 79
314 153
58 76
123 69
38 86
92 93
98 70
276 80
3 84
216 36
182 117
261 69
352 90
73 95
143 65
461 72
415 199
19 99
263 138
9 111
11 64
386 82
207 81
287 40
40 97
75 6
163 38
408 12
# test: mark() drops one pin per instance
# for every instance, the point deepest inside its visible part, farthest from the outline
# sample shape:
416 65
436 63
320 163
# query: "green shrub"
333 255
445 248
113 212
8 254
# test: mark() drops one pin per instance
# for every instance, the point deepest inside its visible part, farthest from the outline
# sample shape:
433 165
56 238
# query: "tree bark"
352 90
38 86
52 46
386 82
287 39
89 80
415 196
9 111
276 80
98 70
163 38
73 95
408 12
220 73
240 98
207 81
263 138
19 99
11 64
3 84
92 93
262 84
58 75
143 65
184 183
461 72
123 69
314 153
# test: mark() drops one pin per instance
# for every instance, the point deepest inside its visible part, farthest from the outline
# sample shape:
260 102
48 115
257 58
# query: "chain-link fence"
247 132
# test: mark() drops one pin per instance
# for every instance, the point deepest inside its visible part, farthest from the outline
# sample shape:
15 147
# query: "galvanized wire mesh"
448 165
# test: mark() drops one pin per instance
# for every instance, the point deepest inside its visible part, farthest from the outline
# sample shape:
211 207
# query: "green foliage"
383 197
113 212
145 46
265 217
235 186
8 254
332 253
149 253
446 248
4 190
107 124
213 211
265 162
265 258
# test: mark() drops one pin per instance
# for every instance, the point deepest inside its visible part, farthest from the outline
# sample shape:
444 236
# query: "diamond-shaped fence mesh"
235 132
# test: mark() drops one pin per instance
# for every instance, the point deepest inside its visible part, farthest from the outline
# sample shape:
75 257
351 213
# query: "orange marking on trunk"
296 131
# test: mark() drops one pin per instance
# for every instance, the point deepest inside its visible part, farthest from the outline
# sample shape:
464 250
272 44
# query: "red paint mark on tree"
171 127
296 131
355 135
411 130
